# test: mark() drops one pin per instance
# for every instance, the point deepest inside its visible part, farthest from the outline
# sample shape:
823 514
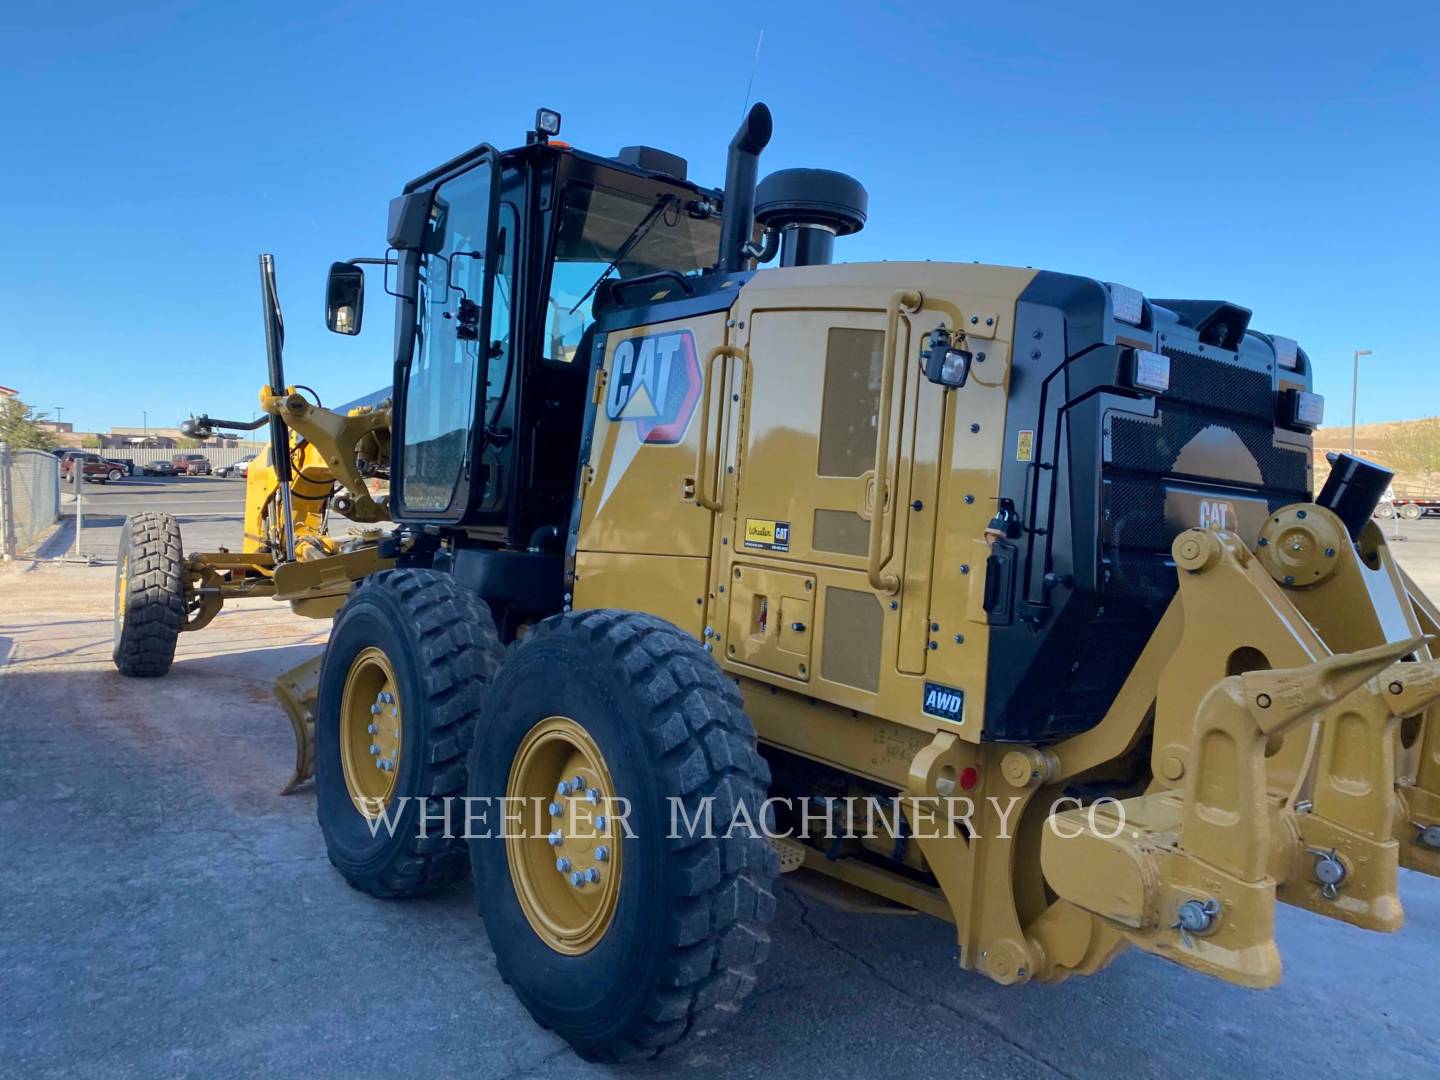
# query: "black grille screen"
1143 445
1220 386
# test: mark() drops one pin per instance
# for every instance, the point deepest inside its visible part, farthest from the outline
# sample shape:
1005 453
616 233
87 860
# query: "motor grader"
1033 558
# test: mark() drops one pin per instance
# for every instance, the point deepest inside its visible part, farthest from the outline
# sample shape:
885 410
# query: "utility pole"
58 410
1355 393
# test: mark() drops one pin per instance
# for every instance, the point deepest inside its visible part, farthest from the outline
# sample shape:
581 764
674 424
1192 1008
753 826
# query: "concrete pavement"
209 510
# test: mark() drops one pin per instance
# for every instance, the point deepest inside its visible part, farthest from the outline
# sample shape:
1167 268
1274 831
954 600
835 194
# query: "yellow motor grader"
1003 595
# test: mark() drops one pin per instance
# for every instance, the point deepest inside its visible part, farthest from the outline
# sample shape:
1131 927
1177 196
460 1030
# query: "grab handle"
880 549
705 468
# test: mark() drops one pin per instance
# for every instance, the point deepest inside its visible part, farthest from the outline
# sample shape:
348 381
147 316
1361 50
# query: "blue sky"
1283 156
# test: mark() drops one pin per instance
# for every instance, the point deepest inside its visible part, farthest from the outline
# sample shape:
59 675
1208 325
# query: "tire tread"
460 651
155 604
724 890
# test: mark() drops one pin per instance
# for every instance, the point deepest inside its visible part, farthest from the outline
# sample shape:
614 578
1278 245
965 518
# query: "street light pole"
58 410
1355 392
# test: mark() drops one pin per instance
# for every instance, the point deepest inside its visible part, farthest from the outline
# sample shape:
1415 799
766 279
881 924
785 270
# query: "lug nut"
593 796
592 875
385 766
578 783
562 864
564 788
387 698
555 838
1429 837
373 729
374 750
600 821
577 879
374 710
556 809
602 853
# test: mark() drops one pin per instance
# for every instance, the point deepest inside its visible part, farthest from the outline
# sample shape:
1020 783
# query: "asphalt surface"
165 913
209 510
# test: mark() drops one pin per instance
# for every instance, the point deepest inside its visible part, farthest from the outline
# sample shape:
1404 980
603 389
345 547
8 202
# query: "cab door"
443 381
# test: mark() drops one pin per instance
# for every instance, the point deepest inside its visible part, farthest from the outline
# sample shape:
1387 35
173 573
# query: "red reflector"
969 777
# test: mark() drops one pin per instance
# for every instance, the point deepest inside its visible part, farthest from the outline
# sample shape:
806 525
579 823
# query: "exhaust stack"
741 169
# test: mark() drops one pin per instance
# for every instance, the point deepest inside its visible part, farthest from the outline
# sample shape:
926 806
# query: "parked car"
239 468
158 468
93 467
191 464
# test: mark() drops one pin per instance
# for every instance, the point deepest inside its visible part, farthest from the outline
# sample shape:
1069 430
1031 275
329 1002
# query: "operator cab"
502 263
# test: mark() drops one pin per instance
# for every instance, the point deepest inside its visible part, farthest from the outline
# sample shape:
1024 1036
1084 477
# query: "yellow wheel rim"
371 724
122 596
564 849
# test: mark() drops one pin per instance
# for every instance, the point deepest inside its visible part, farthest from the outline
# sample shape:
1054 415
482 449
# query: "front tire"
667 940
409 656
149 595
114 474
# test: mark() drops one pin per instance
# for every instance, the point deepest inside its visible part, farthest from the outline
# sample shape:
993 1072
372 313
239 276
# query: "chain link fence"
29 498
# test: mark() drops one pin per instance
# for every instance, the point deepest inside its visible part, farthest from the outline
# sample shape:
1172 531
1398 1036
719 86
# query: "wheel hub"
564 853
371 729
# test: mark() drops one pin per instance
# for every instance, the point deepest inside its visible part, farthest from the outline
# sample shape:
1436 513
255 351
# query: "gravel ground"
167 913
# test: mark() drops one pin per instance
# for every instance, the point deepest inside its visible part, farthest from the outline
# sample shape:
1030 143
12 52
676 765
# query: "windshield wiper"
634 238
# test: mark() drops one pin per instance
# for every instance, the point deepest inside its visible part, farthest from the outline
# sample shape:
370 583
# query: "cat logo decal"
654 383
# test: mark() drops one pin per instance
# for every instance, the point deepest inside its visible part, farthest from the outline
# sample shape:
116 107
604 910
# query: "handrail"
705 470
908 300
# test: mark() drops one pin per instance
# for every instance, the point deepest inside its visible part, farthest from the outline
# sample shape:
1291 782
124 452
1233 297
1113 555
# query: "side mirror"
345 298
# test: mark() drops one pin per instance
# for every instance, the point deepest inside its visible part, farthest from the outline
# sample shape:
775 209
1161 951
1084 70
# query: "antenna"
754 64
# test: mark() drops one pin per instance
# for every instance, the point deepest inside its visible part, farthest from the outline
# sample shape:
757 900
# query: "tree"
20 426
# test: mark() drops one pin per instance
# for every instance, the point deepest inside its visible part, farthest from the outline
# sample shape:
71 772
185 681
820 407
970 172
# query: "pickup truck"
92 467
191 464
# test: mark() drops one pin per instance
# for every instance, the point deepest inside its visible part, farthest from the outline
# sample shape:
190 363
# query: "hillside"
1410 447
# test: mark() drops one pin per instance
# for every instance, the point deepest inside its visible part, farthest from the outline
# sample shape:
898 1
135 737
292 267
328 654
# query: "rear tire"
1411 512
438 642
688 923
149 595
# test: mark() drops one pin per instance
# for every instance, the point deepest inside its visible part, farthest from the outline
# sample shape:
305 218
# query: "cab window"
442 386
605 233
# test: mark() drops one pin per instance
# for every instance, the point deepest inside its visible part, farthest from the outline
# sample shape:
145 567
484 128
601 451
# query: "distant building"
57 426
9 391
